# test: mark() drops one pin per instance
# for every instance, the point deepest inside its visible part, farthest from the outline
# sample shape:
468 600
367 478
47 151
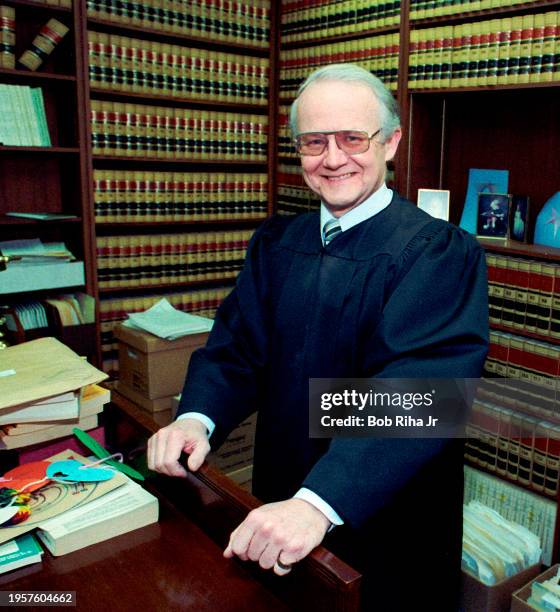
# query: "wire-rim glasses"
352 142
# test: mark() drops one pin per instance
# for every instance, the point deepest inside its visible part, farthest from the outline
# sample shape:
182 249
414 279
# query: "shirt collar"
370 207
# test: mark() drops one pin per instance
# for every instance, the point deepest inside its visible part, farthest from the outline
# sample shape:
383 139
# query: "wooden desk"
172 565
322 581
177 564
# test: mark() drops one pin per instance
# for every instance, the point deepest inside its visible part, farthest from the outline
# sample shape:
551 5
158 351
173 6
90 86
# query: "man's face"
343 181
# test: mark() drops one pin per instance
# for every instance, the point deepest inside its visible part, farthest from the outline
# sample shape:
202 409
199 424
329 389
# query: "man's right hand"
165 447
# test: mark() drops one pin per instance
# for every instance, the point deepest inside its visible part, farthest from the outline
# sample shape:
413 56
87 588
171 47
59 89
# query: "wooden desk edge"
321 560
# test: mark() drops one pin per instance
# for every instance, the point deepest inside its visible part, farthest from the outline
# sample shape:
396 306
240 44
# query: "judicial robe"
398 295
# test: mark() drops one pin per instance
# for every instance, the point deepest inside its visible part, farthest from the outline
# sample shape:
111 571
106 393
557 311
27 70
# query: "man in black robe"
384 290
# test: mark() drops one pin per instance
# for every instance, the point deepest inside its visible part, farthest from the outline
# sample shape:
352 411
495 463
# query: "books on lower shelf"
21 551
122 510
23 121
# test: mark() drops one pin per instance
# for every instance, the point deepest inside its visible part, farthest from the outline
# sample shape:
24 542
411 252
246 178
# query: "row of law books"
514 445
293 196
378 54
126 261
135 130
7 36
427 9
203 302
303 21
118 63
285 139
243 22
122 196
296 200
518 357
533 511
23 121
506 51
524 294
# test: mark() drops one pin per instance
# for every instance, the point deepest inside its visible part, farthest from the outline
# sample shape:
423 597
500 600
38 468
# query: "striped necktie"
330 230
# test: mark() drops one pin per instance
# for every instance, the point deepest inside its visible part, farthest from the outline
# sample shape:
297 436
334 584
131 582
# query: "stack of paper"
39 266
34 251
167 322
545 596
495 548
46 392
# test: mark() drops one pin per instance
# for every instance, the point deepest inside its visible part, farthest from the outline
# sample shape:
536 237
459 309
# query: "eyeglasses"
352 142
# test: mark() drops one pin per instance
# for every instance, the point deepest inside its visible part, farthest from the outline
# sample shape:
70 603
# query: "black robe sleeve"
225 377
434 324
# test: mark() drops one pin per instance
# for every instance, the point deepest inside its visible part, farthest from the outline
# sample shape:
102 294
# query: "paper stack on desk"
167 322
45 391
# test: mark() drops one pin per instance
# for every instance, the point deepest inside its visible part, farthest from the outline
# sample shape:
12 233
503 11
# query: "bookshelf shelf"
473 16
39 6
486 88
216 282
6 220
47 151
175 38
527 250
166 100
10 75
162 224
302 44
184 162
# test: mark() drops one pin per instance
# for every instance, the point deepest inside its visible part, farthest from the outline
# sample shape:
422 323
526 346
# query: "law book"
7 36
49 36
118 512
19 552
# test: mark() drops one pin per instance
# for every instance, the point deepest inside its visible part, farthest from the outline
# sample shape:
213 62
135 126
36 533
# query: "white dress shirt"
368 208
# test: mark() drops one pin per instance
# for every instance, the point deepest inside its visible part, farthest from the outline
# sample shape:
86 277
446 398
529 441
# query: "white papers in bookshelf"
33 252
25 122
41 216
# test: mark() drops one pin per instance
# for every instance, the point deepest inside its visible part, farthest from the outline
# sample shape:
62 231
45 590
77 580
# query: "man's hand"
165 447
278 534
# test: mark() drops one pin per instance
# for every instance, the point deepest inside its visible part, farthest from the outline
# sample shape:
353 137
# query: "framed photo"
492 220
519 214
435 202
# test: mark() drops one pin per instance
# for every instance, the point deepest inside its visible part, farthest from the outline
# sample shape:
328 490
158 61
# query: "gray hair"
352 73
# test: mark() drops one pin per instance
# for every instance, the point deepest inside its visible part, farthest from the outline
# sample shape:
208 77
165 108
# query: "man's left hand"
278 535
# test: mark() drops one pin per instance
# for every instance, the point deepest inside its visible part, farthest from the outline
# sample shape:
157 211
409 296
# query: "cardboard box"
151 405
478 597
520 597
243 477
237 451
152 366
